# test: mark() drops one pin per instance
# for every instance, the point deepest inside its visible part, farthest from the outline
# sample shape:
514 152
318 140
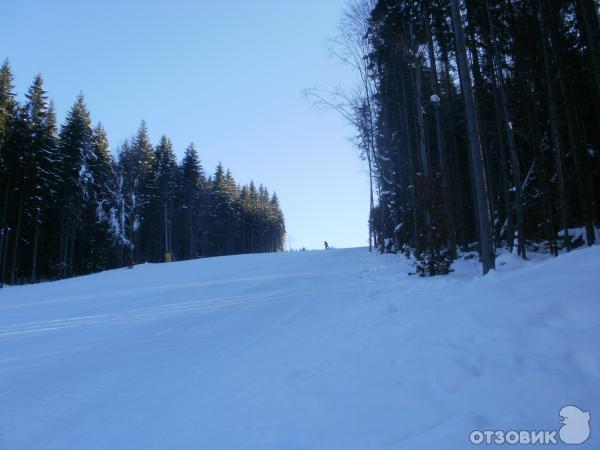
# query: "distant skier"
326 245
130 263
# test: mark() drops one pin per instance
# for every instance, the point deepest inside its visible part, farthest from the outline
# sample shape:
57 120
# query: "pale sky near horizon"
227 76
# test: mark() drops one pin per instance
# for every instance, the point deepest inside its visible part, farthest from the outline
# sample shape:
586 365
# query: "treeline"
68 207
480 121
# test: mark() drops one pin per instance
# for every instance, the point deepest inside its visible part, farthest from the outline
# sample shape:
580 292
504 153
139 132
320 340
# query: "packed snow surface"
337 349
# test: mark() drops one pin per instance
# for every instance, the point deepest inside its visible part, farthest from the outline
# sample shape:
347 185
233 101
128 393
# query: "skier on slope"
326 245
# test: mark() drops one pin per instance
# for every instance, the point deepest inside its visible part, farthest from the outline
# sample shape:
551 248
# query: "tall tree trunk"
4 222
71 261
481 197
587 19
551 96
441 140
580 157
166 249
411 172
505 183
15 254
5 202
381 222
36 236
61 247
536 145
421 142
371 204
478 98
508 128
3 252
65 248
454 163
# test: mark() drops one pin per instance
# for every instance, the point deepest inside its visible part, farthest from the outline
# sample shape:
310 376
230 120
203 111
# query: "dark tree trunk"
481 197
585 193
461 205
411 172
17 241
3 253
551 96
421 142
441 140
36 236
478 99
508 128
587 19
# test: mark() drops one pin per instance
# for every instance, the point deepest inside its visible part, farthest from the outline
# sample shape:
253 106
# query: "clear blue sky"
226 75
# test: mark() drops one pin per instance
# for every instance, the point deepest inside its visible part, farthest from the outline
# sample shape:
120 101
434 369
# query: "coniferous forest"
68 207
479 121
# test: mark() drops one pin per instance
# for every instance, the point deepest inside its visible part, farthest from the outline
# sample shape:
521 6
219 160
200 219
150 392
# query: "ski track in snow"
139 314
310 350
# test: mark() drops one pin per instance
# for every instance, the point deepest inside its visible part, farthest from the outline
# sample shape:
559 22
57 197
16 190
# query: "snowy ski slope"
308 350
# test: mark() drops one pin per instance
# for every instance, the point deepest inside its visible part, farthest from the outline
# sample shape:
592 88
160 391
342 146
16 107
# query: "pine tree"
104 223
481 197
277 228
76 148
44 161
135 163
18 143
159 208
69 208
8 109
192 186
223 213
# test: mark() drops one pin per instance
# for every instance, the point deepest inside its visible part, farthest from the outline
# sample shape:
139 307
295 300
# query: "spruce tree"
135 163
44 162
277 225
69 208
7 158
76 148
159 207
224 213
192 186
22 171
104 222
480 186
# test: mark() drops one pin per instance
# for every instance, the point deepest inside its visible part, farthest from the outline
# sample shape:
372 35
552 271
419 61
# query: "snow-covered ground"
309 350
